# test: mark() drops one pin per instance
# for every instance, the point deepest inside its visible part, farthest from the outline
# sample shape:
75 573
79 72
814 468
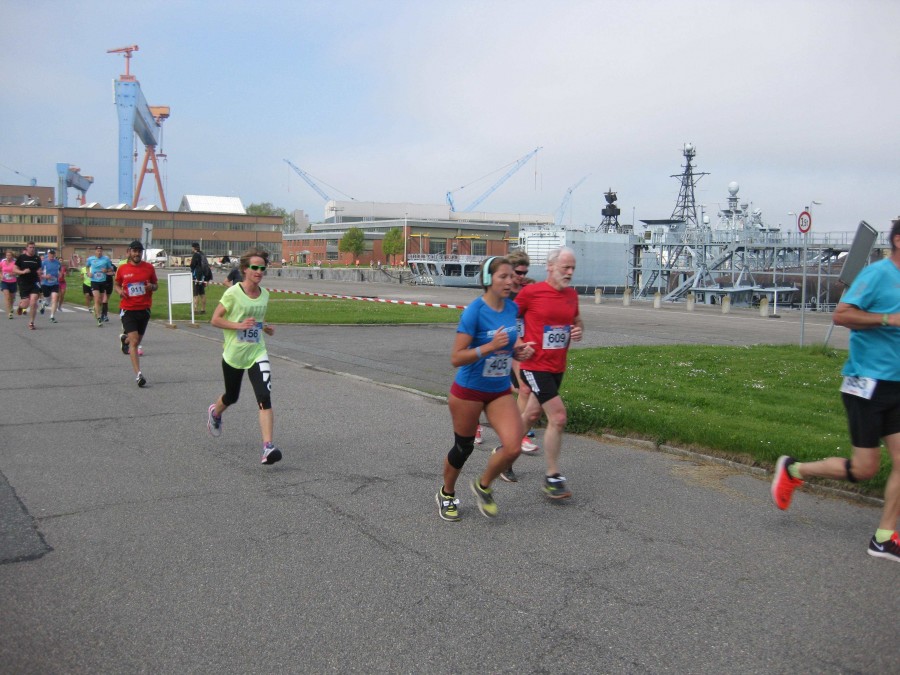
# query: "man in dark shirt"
234 276
199 279
28 265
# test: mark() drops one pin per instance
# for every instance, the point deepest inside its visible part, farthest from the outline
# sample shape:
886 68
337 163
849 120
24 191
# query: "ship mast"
686 207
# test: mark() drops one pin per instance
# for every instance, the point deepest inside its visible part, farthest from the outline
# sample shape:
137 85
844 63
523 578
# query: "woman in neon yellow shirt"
241 315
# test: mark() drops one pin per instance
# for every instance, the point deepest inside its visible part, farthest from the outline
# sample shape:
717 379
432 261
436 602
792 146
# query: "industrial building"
433 229
75 230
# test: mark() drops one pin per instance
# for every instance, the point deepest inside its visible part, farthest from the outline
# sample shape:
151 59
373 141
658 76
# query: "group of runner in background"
39 281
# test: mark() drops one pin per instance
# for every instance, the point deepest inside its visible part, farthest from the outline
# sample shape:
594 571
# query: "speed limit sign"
804 222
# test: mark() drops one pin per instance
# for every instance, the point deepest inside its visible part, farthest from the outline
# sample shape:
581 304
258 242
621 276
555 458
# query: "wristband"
884 319
478 352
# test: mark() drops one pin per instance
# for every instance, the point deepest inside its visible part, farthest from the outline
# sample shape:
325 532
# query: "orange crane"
127 77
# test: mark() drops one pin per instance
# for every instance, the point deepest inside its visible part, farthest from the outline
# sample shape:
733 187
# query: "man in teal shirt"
871 395
99 266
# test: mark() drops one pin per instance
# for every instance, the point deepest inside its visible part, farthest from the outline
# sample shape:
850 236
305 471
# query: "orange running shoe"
784 484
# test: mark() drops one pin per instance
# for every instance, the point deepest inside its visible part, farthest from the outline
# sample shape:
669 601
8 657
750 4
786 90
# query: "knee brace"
850 475
460 451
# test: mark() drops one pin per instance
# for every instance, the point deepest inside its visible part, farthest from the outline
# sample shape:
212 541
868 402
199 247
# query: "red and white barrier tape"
355 297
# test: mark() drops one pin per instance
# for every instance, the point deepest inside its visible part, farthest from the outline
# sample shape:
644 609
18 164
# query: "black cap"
52 250
136 246
195 245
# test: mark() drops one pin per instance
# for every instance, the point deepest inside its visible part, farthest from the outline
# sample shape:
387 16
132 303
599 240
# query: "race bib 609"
556 337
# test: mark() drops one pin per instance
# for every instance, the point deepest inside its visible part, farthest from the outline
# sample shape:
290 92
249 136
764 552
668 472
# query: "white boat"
446 270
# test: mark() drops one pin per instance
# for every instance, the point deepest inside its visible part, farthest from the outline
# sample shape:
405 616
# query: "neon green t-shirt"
244 347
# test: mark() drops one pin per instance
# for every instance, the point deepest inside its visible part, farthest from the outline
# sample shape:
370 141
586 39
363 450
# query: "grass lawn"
750 404
295 308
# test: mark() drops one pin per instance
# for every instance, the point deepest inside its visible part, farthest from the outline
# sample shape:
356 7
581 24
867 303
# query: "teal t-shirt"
244 347
875 352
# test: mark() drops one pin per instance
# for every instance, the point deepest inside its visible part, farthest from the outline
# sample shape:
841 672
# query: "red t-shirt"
134 279
549 315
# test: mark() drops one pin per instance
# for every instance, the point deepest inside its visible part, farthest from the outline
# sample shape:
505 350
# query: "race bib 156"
250 334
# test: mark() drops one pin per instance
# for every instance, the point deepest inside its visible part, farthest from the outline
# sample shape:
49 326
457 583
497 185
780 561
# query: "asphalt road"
131 541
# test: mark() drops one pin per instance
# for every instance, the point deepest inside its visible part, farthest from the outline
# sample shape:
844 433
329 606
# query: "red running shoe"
784 484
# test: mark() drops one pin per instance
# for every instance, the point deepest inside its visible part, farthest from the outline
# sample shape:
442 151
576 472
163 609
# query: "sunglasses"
521 273
257 268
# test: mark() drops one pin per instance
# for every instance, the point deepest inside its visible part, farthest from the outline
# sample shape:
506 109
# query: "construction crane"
561 211
70 177
516 166
31 181
309 181
136 117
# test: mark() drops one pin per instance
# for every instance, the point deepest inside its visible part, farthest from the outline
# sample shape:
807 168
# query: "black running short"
543 385
135 321
873 419
27 288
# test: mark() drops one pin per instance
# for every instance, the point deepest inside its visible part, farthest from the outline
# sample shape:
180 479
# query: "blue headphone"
486 271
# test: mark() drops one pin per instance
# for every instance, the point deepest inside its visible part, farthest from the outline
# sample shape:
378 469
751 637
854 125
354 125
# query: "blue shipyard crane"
561 211
309 181
515 167
70 177
136 117
324 195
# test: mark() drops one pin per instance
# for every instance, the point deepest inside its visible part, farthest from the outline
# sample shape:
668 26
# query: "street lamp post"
819 266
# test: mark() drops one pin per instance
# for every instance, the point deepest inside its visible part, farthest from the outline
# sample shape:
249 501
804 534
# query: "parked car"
156 256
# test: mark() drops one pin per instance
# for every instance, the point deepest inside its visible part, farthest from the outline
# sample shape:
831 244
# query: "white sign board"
181 291
804 222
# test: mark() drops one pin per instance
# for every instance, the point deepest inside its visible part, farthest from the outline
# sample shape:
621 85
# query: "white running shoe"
528 447
478 439
270 454
213 421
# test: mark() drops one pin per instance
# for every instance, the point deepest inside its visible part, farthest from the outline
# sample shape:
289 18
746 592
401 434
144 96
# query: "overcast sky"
398 101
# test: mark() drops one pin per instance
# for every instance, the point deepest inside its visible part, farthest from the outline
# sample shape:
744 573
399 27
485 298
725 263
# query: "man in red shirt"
552 321
135 283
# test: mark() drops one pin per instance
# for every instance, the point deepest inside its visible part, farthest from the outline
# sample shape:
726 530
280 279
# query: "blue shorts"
10 286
